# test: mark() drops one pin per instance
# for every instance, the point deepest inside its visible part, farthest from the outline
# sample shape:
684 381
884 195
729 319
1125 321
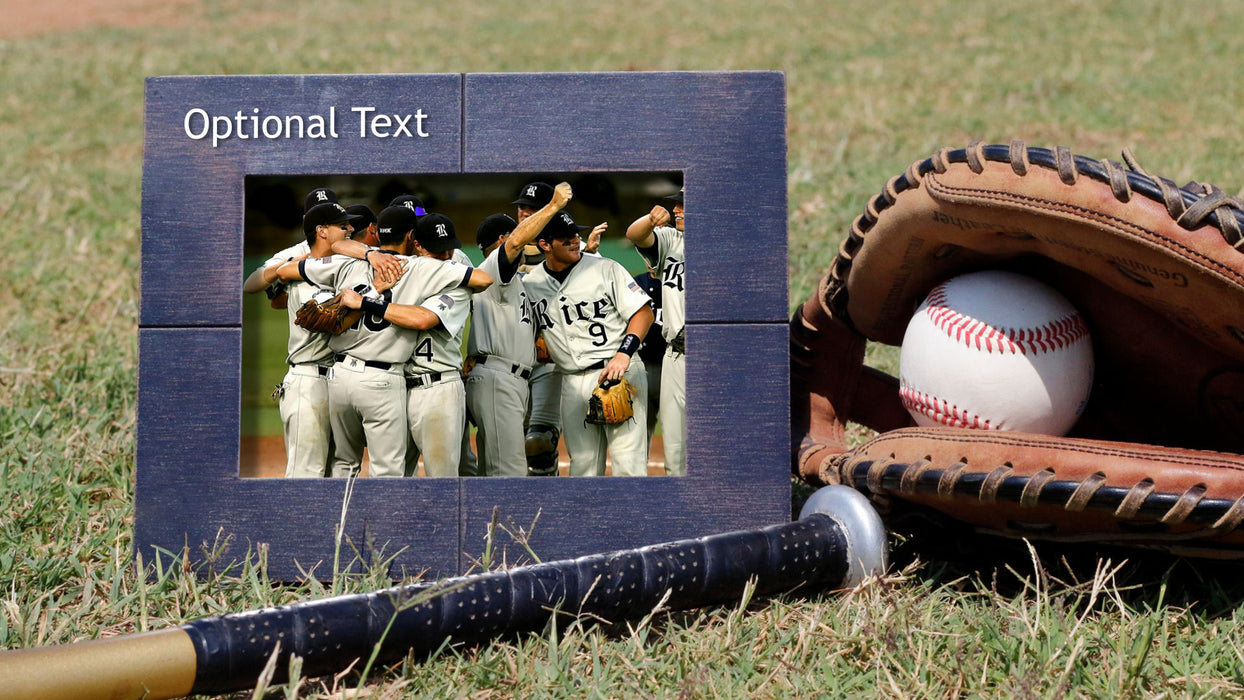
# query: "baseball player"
303 393
652 351
409 201
662 248
436 402
275 288
367 386
544 419
594 318
366 226
501 348
468 464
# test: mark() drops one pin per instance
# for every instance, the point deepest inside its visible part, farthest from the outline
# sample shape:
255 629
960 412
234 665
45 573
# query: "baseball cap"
493 228
319 195
325 214
677 196
364 213
409 201
560 226
535 195
435 232
394 223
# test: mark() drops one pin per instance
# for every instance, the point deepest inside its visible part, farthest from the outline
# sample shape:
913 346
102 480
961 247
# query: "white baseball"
998 351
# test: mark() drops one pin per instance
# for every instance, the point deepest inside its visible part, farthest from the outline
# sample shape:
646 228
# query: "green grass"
871 87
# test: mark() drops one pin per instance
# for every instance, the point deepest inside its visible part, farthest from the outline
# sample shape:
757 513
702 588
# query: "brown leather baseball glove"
327 316
1156 271
611 403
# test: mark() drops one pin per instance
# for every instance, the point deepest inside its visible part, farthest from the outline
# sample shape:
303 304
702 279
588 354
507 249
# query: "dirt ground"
26 19
265 457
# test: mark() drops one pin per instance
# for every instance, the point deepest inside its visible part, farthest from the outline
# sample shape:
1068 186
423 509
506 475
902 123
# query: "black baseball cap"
435 232
325 214
535 195
560 226
319 195
677 196
394 223
366 216
493 228
409 201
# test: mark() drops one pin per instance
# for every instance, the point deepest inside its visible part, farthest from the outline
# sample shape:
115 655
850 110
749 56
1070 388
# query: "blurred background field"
870 88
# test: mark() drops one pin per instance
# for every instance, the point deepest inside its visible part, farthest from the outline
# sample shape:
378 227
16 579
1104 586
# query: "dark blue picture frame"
725 131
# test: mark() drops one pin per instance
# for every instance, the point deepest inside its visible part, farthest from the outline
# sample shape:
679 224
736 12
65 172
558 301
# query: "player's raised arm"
640 232
636 328
531 227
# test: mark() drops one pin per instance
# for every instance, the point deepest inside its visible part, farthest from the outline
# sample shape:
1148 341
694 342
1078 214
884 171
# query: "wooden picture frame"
725 131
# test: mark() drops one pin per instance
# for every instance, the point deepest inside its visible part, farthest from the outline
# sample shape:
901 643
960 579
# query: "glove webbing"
1137 502
1191 206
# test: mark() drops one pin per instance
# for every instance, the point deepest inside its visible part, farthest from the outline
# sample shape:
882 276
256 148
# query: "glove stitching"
1085 492
1032 490
1134 499
1126 504
1131 502
1019 157
989 489
1185 505
1090 216
1013 440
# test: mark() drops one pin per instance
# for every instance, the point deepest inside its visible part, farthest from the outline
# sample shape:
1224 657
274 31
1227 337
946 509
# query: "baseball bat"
838 541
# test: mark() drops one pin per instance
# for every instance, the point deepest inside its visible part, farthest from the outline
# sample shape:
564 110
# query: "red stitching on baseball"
980 335
940 411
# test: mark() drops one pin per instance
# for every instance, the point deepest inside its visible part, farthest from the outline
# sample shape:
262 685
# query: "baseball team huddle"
550 320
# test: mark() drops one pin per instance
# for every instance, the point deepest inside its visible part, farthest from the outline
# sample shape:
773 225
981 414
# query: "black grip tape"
330 634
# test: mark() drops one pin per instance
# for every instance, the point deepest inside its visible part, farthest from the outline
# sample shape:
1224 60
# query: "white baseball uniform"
546 387
669 259
468 465
502 345
436 399
367 387
304 390
584 318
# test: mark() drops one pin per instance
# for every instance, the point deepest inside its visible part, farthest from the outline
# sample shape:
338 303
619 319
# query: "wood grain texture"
725 131
193 191
189 492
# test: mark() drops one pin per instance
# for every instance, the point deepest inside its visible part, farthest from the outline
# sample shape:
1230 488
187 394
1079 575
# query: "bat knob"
862 529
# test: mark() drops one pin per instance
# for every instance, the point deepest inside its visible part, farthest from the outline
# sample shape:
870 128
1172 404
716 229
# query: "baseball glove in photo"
610 403
328 316
1153 278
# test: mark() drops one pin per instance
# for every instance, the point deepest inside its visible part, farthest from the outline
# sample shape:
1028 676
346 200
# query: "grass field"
871 87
